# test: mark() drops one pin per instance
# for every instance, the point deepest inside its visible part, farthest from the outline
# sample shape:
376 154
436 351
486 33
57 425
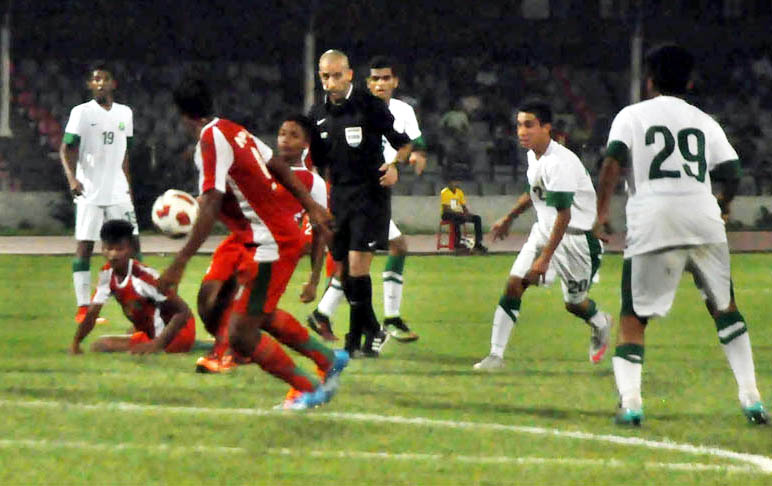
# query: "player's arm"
542 262
68 155
317 214
608 179
616 159
727 175
383 120
210 203
500 228
318 245
85 327
418 155
180 315
125 166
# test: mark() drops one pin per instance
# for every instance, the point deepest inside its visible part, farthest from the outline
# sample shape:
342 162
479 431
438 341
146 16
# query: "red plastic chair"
450 242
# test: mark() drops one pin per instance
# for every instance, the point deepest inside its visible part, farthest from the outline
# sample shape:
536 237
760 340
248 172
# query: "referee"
351 124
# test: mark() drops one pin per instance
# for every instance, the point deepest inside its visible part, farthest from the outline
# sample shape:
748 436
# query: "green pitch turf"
418 415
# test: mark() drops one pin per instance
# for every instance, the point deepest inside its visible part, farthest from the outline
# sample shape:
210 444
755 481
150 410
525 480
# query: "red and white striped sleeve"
318 190
216 155
103 287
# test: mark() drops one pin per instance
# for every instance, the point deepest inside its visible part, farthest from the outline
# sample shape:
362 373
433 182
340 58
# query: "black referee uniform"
349 144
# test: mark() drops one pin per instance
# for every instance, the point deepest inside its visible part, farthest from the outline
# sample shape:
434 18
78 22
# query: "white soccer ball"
174 213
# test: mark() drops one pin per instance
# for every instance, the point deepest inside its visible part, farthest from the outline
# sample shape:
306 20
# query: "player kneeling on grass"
162 321
562 193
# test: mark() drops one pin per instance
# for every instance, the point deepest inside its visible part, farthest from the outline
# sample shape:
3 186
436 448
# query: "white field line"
43 444
763 463
120 447
530 460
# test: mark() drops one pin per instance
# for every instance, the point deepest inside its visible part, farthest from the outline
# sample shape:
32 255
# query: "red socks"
272 358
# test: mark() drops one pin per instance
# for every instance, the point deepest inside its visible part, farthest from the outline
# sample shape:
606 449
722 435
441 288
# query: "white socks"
332 298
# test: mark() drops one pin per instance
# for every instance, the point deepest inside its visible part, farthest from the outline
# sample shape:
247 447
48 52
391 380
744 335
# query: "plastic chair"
450 243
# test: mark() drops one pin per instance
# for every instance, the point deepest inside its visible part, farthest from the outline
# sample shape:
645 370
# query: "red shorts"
259 293
226 260
182 342
261 284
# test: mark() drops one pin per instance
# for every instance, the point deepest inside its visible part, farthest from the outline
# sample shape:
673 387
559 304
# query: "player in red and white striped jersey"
238 177
219 285
161 320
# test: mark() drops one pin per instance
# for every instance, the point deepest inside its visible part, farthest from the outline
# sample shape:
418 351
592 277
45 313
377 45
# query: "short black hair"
99 66
383 62
670 67
116 230
305 123
194 99
537 107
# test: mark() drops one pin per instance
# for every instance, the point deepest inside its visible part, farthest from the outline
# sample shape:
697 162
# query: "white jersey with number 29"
672 147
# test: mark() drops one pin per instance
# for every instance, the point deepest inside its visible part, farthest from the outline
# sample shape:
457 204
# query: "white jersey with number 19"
672 146
102 143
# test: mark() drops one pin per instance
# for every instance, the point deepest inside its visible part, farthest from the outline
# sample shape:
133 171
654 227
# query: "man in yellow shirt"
454 209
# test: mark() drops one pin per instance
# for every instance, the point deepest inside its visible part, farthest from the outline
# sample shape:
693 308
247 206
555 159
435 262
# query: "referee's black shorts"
361 219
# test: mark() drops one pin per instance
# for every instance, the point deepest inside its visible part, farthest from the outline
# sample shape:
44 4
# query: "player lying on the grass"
237 176
162 320
670 151
561 192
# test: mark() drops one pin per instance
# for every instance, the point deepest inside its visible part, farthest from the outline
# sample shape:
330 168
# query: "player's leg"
359 290
283 326
710 266
185 339
118 343
393 286
88 222
319 320
215 297
576 261
250 313
649 282
508 309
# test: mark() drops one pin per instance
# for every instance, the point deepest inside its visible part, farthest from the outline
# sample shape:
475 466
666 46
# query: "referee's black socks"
359 291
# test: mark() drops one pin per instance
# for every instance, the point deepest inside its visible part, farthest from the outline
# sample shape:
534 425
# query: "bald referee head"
335 74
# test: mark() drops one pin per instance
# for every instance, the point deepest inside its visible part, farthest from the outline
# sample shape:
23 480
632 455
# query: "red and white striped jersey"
315 185
233 161
318 190
138 295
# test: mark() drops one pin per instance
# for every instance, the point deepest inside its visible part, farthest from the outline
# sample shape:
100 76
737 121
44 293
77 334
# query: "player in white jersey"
561 192
94 155
670 152
382 82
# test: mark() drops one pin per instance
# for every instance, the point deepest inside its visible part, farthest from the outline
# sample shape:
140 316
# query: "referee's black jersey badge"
353 136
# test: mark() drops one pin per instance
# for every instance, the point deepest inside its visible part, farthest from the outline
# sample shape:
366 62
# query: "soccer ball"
174 213
467 241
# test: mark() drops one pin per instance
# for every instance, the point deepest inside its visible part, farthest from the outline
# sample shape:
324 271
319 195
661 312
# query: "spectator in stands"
454 209
503 150
454 154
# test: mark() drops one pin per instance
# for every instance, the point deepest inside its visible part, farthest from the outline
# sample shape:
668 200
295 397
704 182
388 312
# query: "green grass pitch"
418 415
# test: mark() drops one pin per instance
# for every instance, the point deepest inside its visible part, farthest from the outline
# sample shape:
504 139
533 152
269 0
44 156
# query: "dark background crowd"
464 67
